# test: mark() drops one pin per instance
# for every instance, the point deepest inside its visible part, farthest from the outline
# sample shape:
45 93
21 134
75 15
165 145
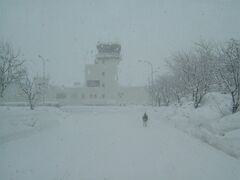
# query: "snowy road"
109 143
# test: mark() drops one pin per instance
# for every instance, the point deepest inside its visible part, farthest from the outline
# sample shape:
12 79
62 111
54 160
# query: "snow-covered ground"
212 122
108 143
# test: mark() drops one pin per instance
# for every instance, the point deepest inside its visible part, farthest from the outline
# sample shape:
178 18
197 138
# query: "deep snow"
108 143
212 122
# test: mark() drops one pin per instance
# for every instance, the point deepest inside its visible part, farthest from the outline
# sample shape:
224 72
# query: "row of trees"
194 73
13 71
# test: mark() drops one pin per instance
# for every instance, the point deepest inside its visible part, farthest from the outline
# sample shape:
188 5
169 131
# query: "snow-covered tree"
155 93
162 86
10 66
228 70
194 71
32 89
176 88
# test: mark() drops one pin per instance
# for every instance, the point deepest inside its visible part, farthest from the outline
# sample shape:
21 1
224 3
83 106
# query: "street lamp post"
44 64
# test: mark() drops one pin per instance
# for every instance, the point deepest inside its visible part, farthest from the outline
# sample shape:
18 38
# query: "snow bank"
212 122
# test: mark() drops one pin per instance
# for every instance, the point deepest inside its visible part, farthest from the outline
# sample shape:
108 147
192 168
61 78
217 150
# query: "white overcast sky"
66 32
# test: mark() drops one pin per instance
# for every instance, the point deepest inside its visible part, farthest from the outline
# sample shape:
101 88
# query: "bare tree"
155 92
228 70
10 66
176 88
162 91
32 88
167 88
194 71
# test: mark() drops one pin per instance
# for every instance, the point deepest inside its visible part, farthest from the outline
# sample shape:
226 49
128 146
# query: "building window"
103 85
93 83
103 96
103 73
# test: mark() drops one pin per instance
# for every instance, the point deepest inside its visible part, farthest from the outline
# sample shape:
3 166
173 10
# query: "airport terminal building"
101 85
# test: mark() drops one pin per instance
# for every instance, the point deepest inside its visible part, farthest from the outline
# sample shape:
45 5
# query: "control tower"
102 76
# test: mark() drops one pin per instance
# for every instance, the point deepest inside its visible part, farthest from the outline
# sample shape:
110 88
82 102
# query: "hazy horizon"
66 32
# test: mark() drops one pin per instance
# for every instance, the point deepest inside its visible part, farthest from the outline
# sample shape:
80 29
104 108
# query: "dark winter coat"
145 117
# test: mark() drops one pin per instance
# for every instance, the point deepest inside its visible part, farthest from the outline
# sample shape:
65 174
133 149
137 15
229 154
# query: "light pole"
151 66
44 64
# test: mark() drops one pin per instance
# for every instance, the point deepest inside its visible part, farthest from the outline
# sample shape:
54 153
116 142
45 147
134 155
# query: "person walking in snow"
145 119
